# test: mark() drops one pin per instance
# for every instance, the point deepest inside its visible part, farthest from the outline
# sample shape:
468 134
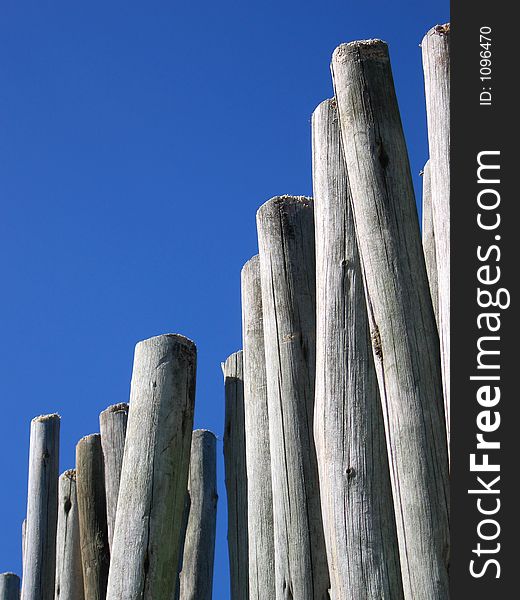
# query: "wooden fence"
336 428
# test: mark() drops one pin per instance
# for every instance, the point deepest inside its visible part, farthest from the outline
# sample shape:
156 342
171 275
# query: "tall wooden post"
402 324
356 495
436 62
196 577
112 424
42 509
428 239
258 455
154 475
69 573
287 266
92 511
9 586
236 476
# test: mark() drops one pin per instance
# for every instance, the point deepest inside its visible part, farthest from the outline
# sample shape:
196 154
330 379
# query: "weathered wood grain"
402 324
436 64
236 477
428 240
258 455
42 509
92 516
154 476
355 489
287 266
69 572
112 424
9 586
196 576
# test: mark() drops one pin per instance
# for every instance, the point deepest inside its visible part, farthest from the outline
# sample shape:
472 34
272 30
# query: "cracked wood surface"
236 477
428 240
356 495
42 509
258 455
154 476
69 573
112 426
287 266
92 513
436 64
400 309
196 576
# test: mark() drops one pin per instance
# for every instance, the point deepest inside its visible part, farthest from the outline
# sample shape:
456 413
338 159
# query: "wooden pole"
258 455
69 573
112 424
428 240
196 578
402 324
436 64
182 540
92 512
356 495
287 266
236 476
42 509
154 476
24 529
9 586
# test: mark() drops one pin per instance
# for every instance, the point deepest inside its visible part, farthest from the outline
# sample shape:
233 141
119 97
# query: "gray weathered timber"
196 577
24 529
69 573
42 509
436 64
428 239
236 476
402 324
258 455
92 513
355 489
154 476
112 424
287 267
9 586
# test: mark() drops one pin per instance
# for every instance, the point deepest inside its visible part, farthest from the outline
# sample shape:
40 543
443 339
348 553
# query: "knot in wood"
350 472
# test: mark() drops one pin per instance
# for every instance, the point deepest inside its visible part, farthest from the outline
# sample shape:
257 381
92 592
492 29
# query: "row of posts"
136 518
337 407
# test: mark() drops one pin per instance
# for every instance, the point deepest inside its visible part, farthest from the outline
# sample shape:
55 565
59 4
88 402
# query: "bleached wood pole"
356 495
69 573
112 424
236 476
258 455
24 529
92 512
9 586
402 324
436 64
196 578
42 509
182 540
287 267
428 239
154 476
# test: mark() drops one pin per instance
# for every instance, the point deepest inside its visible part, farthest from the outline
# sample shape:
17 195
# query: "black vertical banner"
485 267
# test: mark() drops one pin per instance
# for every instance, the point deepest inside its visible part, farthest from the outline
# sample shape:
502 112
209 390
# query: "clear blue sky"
137 141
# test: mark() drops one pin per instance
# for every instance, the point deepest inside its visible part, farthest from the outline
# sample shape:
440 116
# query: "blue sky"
137 141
